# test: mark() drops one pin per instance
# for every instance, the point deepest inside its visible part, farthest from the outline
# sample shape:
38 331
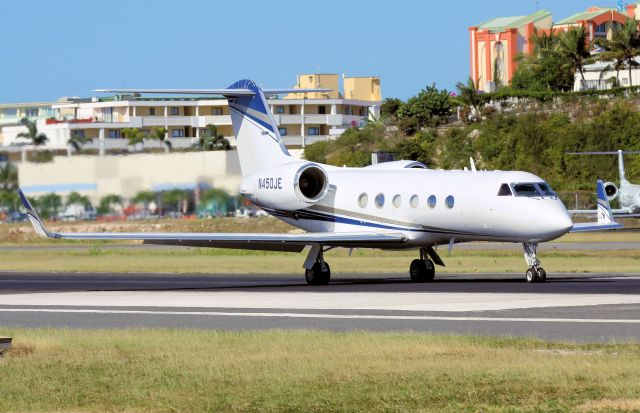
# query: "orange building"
496 43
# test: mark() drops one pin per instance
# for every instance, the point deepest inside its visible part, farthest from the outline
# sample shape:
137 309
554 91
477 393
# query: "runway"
595 307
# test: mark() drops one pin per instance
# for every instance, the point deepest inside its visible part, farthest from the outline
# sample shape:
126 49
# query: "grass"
220 261
184 370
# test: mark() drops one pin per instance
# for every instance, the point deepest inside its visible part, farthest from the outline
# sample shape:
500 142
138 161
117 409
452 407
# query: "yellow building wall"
317 81
362 88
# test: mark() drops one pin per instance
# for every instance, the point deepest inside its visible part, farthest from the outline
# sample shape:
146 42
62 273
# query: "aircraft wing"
270 242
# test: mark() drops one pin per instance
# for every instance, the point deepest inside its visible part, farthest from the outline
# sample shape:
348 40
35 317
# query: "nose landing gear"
535 273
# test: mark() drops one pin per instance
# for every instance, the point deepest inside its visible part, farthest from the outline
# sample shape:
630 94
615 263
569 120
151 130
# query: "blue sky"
53 48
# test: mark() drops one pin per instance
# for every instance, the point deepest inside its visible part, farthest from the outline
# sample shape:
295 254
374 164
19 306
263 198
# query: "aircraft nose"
560 222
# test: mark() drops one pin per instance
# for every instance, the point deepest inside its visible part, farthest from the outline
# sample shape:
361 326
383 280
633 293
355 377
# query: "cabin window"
449 201
504 190
379 200
363 199
529 190
414 201
431 201
397 201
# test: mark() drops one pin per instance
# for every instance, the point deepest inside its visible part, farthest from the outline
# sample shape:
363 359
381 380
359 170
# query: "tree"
32 134
77 141
49 205
212 141
219 197
8 177
134 136
161 135
624 45
174 196
574 47
469 95
429 106
107 203
390 108
417 148
144 197
75 198
9 200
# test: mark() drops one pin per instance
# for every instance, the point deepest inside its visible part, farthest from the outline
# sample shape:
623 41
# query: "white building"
602 75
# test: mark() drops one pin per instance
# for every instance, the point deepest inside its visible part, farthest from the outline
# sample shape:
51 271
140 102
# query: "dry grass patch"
609 405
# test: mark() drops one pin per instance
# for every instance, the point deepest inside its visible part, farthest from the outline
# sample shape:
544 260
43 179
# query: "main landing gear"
423 269
317 270
535 273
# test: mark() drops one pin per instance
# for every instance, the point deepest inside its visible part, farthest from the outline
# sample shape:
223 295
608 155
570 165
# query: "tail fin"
33 216
257 138
623 179
605 216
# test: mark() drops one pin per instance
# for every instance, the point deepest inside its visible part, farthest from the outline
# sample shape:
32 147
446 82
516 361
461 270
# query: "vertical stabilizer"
623 179
259 143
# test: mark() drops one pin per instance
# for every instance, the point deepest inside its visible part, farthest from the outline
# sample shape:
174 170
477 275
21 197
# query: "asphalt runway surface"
569 307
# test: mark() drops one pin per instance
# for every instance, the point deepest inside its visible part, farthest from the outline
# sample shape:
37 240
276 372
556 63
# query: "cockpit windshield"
533 189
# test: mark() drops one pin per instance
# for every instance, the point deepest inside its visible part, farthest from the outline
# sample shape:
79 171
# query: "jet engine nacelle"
290 186
611 190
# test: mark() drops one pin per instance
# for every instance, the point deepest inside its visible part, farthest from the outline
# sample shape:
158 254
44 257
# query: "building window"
379 200
282 131
152 111
601 30
279 110
115 134
145 132
174 111
322 110
78 134
361 111
10 113
363 199
431 201
216 112
177 133
32 112
313 130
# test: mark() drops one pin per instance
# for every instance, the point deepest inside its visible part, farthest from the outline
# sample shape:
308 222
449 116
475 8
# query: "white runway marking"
320 316
316 300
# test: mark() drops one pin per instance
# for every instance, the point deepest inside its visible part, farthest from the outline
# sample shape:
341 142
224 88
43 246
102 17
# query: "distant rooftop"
501 23
587 15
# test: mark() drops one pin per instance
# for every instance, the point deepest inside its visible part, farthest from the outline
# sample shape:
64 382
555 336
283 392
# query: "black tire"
319 274
431 270
542 275
531 275
418 271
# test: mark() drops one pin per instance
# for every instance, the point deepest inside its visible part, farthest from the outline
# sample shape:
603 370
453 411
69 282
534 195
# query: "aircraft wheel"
319 274
532 275
422 270
542 275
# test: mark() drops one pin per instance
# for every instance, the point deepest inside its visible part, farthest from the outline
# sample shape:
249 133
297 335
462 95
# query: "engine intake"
288 187
611 190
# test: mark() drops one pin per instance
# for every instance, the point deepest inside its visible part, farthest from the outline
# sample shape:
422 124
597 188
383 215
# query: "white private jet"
392 206
628 194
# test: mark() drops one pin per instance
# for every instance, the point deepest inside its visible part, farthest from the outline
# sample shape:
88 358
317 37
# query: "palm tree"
574 47
469 95
219 197
32 133
212 141
174 196
107 202
75 198
161 135
144 197
77 141
134 136
8 177
624 45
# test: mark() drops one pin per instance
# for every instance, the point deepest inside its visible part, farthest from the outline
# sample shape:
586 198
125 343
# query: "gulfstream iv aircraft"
392 206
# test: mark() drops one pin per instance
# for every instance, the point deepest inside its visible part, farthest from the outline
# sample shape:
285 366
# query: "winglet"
605 216
38 226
